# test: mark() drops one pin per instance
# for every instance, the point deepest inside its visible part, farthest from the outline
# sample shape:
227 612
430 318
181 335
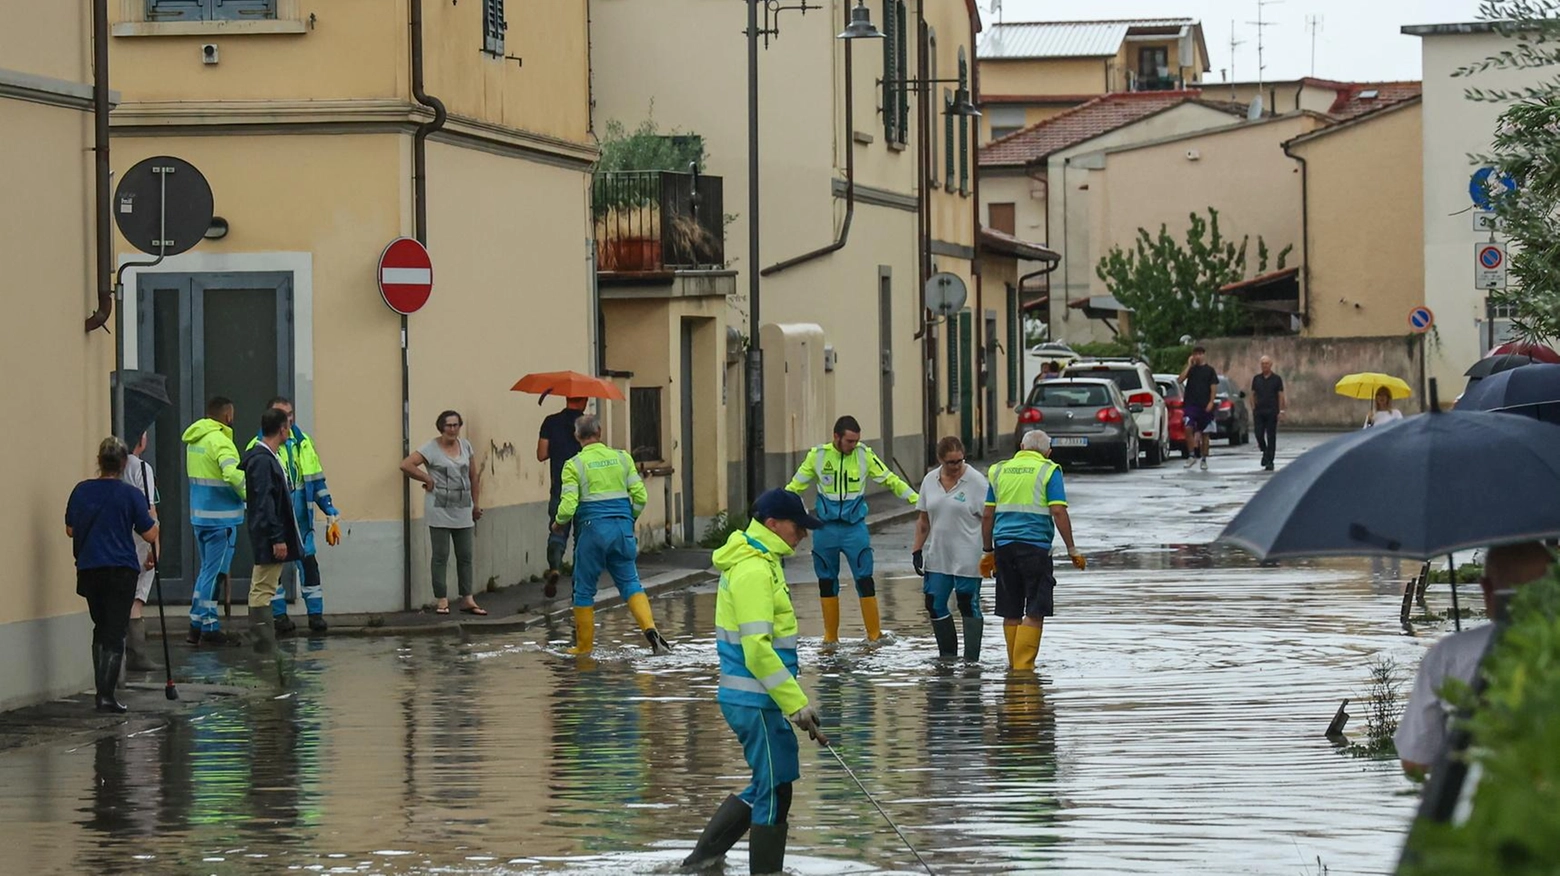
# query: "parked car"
1037 356
1136 383
1231 416
1170 390
1088 419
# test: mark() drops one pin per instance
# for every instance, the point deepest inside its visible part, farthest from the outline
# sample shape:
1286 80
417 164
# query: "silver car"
1088 419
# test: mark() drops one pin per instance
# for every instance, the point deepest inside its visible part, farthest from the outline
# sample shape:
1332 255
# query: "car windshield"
1126 378
1069 395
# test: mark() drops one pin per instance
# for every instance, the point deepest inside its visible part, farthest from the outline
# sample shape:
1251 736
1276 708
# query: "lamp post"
859 27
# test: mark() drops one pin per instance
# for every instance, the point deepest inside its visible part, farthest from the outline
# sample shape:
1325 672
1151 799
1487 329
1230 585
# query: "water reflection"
1179 698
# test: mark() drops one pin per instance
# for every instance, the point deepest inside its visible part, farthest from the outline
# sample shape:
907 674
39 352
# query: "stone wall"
1311 366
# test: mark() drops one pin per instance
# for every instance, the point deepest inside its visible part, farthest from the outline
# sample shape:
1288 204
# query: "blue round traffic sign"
1491 257
1485 187
1420 319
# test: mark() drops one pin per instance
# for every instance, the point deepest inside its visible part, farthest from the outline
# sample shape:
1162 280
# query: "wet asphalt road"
1175 726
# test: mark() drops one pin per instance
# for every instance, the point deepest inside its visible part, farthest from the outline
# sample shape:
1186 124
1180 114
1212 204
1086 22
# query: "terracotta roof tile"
1099 116
1358 98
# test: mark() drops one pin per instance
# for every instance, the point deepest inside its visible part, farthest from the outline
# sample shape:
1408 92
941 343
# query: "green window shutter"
954 377
890 73
964 134
173 10
948 140
493 27
1015 350
902 56
241 10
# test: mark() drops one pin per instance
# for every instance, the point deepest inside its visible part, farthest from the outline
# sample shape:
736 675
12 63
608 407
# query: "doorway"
685 426
210 334
886 359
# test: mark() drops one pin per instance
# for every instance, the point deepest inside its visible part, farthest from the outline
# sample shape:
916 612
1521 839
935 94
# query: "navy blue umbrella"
1421 488
1532 391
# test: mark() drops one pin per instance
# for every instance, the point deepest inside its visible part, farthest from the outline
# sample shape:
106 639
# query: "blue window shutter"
240 10
173 10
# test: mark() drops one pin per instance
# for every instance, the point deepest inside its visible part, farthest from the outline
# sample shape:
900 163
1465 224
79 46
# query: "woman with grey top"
947 547
450 476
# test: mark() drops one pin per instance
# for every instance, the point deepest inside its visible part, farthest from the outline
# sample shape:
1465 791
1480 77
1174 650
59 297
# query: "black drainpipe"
1305 234
101 194
420 225
850 173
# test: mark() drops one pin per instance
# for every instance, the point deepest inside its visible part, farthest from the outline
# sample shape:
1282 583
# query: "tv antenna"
1313 23
1261 25
1234 44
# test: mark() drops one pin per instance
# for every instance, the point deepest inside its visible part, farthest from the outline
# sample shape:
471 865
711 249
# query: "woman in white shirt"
947 548
1384 413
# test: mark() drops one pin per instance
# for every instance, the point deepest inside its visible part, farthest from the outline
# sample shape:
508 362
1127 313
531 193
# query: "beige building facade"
1364 254
47 124
305 125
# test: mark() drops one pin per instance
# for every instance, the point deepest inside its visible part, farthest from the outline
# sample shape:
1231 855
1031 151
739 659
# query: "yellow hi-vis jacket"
216 482
755 625
601 482
842 482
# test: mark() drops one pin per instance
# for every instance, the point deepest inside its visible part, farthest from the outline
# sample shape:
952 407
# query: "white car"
1136 381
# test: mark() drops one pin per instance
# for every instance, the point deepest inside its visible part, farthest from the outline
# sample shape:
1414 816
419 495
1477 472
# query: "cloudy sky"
1358 40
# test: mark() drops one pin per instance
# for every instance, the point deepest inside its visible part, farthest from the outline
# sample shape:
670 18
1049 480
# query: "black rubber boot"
947 637
973 626
261 629
135 647
731 821
217 637
658 643
282 624
554 563
194 637
317 623
766 849
108 663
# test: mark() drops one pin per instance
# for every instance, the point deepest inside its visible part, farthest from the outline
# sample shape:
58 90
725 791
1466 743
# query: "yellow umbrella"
1365 384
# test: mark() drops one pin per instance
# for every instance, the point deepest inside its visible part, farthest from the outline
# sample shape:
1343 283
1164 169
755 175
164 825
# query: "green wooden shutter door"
1015 349
890 73
948 140
902 55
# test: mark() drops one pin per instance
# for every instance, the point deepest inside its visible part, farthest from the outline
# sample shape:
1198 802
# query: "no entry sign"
405 275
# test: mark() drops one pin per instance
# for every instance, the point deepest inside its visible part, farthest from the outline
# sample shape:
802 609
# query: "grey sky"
1359 39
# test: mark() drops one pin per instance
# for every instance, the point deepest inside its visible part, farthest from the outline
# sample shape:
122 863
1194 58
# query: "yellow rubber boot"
870 618
831 619
1008 632
584 631
639 607
1026 647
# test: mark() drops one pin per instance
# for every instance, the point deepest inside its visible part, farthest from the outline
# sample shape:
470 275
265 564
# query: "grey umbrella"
1532 391
1497 363
146 394
1425 487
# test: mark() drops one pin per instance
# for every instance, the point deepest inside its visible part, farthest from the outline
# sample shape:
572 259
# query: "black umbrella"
1496 364
146 394
1425 487
1532 391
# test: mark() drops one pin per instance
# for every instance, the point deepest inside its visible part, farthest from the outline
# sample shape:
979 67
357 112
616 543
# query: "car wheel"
1186 447
1124 461
1235 438
1134 454
1156 453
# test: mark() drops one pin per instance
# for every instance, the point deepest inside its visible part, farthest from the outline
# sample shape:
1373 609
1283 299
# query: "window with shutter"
931 60
493 27
173 10
948 154
890 73
964 129
902 58
1015 351
241 10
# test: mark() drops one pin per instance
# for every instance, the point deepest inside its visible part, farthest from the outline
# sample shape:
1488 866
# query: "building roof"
1450 29
1359 98
1362 118
1036 99
1002 243
1241 124
1099 116
1073 39
1254 285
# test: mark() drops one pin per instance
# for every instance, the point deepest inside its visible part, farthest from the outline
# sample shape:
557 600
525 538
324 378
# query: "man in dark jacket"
273 528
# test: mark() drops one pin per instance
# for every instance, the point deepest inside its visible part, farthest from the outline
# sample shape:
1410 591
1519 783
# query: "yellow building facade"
47 124
305 122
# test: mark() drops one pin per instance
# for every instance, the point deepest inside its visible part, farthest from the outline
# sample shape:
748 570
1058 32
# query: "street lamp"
859 27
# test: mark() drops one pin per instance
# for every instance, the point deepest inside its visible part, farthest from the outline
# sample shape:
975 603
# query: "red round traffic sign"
405 275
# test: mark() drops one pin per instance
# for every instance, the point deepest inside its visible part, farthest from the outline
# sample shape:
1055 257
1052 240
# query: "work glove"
1078 560
807 718
916 560
333 530
988 564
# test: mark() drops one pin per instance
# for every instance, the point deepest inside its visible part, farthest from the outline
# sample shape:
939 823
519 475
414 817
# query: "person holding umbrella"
1369 386
138 473
1383 412
556 445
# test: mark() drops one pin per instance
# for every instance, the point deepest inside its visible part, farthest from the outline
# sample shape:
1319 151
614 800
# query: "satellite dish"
163 206
1254 111
945 293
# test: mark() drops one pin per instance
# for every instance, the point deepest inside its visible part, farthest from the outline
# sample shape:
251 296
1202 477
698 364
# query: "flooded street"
1175 727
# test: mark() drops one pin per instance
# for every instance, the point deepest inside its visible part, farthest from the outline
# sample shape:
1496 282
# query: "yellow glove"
333 532
988 564
1079 561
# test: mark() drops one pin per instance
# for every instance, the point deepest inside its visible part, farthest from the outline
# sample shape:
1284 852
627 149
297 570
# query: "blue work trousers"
769 744
216 545
605 544
939 586
833 539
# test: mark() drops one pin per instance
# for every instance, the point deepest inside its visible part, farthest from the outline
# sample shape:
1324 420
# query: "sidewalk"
521 606
56 720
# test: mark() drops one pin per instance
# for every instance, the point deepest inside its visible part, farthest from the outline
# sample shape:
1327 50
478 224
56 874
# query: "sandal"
473 609
442 609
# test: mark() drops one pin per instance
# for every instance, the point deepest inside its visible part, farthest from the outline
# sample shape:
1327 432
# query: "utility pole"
1261 25
1313 23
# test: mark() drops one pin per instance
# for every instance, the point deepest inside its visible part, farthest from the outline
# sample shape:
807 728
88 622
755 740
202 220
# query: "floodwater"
1175 726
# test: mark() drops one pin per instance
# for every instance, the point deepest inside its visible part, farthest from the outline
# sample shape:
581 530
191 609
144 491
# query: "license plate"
1069 442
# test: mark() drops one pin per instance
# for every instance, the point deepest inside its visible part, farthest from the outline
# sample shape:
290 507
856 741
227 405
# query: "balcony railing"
657 221
1155 83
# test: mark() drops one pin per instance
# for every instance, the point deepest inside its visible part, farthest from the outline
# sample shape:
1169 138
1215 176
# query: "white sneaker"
1204 464
1191 461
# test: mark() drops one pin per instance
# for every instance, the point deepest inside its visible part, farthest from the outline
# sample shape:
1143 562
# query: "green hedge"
1514 828
1163 360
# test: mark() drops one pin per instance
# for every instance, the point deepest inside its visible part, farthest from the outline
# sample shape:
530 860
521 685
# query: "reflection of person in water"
598 744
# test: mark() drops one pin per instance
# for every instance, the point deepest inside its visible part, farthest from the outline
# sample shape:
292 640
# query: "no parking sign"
1489 265
1420 319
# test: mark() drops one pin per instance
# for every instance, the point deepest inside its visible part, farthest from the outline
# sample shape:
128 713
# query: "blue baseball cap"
779 504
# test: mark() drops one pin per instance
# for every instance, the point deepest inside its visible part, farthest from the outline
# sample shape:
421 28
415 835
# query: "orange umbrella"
569 384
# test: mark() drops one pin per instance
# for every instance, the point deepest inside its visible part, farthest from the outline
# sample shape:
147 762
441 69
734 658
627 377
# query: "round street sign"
163 206
1420 319
1487 185
405 275
1490 257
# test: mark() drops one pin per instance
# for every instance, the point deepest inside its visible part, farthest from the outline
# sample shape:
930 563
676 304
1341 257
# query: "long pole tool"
832 750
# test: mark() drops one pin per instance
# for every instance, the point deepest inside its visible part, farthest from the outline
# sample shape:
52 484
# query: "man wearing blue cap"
755 636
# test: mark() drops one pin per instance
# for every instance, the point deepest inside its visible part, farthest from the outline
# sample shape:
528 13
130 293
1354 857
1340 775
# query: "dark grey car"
1088 419
1232 417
